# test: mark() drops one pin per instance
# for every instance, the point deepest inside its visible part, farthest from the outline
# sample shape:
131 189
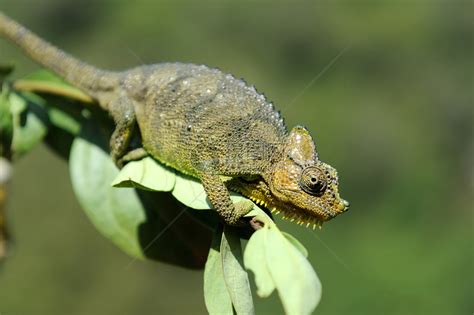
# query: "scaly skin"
206 124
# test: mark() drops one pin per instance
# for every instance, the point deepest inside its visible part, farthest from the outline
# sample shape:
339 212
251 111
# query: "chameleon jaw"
261 196
292 216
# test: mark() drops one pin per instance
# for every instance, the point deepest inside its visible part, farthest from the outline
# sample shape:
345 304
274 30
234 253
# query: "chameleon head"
299 185
302 187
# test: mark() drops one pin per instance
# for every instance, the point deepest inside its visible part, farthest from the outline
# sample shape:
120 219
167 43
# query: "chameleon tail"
78 73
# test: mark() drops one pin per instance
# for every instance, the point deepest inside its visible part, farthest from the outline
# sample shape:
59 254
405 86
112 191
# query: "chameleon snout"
343 205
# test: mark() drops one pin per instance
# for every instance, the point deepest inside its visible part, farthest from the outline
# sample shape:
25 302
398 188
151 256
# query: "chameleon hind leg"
123 113
218 194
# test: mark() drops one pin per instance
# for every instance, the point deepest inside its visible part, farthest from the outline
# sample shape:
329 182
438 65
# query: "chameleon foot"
241 208
256 224
134 155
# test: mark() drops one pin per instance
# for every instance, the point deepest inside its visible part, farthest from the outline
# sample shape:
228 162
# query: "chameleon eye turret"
299 184
313 181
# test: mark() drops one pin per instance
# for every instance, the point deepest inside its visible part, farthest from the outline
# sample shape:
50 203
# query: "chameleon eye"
313 181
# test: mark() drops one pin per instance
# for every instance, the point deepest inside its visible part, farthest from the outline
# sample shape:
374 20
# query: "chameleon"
206 124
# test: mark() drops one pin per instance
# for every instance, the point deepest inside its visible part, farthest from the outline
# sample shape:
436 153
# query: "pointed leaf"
145 174
45 81
297 284
235 276
254 258
63 120
297 244
216 296
277 260
115 213
190 192
30 123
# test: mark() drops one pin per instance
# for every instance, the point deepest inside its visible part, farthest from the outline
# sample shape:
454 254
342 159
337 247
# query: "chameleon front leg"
123 113
219 196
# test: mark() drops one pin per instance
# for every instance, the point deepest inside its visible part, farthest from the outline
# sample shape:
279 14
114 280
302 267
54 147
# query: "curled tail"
86 77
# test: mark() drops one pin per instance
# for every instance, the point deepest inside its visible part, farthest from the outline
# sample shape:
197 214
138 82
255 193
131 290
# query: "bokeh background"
393 113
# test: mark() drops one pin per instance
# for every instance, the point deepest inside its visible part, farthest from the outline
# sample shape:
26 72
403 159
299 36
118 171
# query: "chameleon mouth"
291 214
260 194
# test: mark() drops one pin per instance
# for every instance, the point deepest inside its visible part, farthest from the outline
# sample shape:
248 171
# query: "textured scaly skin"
206 124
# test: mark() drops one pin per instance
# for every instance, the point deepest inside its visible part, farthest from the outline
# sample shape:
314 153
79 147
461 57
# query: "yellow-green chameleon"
206 124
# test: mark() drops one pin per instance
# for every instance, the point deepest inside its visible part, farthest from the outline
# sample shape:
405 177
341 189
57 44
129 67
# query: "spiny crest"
300 219
258 201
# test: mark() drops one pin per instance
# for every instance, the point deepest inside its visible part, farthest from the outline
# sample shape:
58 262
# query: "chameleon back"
197 119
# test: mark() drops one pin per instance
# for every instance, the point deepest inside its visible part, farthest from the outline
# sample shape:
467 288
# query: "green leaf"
278 261
32 118
30 123
297 244
63 120
63 113
297 284
47 82
18 104
254 258
46 76
190 192
216 296
146 174
115 213
236 278
149 174
226 283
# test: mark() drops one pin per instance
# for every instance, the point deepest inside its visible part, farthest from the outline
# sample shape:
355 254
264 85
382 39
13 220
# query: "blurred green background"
393 114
